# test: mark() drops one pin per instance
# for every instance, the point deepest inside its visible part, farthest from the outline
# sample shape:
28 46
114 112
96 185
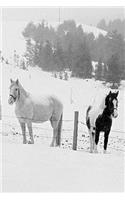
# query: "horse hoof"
95 151
57 145
24 142
30 142
104 151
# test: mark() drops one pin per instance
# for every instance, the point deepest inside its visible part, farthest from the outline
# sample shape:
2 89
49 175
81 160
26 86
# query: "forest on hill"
69 47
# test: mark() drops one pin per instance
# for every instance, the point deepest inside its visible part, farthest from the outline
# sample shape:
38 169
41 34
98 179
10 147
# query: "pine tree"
30 52
59 56
102 24
48 57
114 69
82 63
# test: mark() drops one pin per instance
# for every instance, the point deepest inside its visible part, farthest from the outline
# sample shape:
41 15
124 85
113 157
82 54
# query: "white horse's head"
14 91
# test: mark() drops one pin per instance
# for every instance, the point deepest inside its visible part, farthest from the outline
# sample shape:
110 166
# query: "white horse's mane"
22 89
99 101
98 106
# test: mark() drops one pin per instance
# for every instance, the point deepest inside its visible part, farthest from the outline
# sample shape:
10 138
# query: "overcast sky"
87 15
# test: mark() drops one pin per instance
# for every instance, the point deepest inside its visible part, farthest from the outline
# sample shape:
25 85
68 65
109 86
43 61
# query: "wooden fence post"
75 132
58 138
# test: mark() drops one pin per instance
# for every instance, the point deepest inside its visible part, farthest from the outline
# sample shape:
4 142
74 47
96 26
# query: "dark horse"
99 119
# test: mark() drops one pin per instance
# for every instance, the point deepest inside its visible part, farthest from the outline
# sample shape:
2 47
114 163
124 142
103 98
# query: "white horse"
36 109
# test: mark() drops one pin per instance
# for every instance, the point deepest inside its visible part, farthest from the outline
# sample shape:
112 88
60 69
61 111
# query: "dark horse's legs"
106 136
97 133
97 137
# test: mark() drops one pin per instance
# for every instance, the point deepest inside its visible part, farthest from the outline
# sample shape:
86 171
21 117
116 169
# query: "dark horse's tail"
58 139
87 117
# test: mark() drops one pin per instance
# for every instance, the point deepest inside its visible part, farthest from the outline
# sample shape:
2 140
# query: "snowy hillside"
92 29
59 169
17 40
86 28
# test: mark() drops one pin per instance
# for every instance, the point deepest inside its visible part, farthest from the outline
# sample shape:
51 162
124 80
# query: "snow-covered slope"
81 93
38 168
92 29
14 30
86 28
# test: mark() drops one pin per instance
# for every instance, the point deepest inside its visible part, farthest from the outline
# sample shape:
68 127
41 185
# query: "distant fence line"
64 120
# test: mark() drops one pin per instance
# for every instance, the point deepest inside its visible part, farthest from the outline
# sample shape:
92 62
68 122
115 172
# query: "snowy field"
39 168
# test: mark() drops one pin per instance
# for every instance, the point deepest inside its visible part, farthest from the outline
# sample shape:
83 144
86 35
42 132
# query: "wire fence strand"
14 128
66 120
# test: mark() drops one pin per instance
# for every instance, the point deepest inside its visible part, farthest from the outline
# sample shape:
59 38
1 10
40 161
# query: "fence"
73 141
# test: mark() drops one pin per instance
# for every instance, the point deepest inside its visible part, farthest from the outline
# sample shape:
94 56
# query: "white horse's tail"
58 139
87 118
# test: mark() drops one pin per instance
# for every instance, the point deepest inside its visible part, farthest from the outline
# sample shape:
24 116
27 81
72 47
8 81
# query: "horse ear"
117 93
17 81
110 93
11 80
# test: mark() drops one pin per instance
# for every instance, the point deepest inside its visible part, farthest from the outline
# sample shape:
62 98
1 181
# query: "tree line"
112 25
68 46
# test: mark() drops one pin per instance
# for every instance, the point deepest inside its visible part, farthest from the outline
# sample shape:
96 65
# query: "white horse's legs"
91 151
54 124
91 142
55 132
96 140
94 146
29 125
95 149
23 128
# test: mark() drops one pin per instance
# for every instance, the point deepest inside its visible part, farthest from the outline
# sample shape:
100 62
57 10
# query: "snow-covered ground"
37 168
41 168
